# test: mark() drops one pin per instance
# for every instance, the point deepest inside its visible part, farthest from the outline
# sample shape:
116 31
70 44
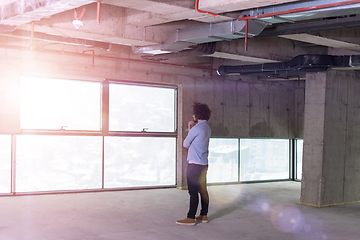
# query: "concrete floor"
261 211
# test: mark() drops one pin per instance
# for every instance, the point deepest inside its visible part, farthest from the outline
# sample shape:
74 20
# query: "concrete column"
331 159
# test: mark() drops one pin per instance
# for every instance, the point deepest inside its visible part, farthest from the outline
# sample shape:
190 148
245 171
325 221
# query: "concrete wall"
247 110
239 109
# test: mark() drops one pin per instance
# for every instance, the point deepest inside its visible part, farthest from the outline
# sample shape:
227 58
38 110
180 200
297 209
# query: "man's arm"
191 135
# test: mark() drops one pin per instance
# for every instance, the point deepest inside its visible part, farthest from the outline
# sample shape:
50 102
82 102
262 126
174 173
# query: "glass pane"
264 159
139 161
223 160
48 103
5 163
299 155
134 108
45 163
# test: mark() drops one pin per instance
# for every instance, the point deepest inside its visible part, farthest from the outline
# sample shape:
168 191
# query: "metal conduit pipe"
93 56
100 56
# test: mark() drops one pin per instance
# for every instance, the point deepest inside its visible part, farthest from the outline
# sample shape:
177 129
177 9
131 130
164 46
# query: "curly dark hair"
201 111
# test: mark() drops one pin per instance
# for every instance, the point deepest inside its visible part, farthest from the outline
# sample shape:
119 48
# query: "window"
5 163
139 161
299 156
47 163
264 159
223 160
90 157
48 103
138 108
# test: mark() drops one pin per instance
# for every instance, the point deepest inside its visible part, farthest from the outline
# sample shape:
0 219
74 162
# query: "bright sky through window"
48 103
134 108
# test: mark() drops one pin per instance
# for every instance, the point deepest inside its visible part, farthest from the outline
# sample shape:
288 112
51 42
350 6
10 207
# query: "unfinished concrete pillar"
331 158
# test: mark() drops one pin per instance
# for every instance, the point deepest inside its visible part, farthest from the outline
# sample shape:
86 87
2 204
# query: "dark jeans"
196 179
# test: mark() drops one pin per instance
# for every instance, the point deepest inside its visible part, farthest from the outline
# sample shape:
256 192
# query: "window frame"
66 131
237 162
291 162
140 133
103 132
297 159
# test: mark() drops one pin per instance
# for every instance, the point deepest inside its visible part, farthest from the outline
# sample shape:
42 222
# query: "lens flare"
262 206
287 219
312 229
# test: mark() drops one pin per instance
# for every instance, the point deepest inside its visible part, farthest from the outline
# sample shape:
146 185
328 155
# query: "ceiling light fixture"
77 23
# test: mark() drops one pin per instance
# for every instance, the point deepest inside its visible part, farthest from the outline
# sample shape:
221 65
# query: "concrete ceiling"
151 22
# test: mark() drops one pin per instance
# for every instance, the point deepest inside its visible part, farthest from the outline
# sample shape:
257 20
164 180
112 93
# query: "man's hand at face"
191 124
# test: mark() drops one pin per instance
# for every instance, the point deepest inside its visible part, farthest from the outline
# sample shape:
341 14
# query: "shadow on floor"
241 204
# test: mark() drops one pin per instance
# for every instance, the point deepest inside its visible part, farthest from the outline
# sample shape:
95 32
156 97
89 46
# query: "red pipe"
82 14
246 33
197 9
98 12
32 37
93 55
300 10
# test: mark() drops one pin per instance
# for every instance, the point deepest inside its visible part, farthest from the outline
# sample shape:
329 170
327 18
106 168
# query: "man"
197 141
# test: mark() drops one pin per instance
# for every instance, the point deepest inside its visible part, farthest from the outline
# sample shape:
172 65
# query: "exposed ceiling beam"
93 35
314 26
141 18
57 39
242 58
322 41
152 6
147 13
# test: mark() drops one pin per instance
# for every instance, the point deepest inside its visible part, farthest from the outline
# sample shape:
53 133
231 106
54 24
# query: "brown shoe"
202 218
186 221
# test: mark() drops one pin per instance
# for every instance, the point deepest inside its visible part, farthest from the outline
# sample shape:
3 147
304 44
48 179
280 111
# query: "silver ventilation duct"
182 39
